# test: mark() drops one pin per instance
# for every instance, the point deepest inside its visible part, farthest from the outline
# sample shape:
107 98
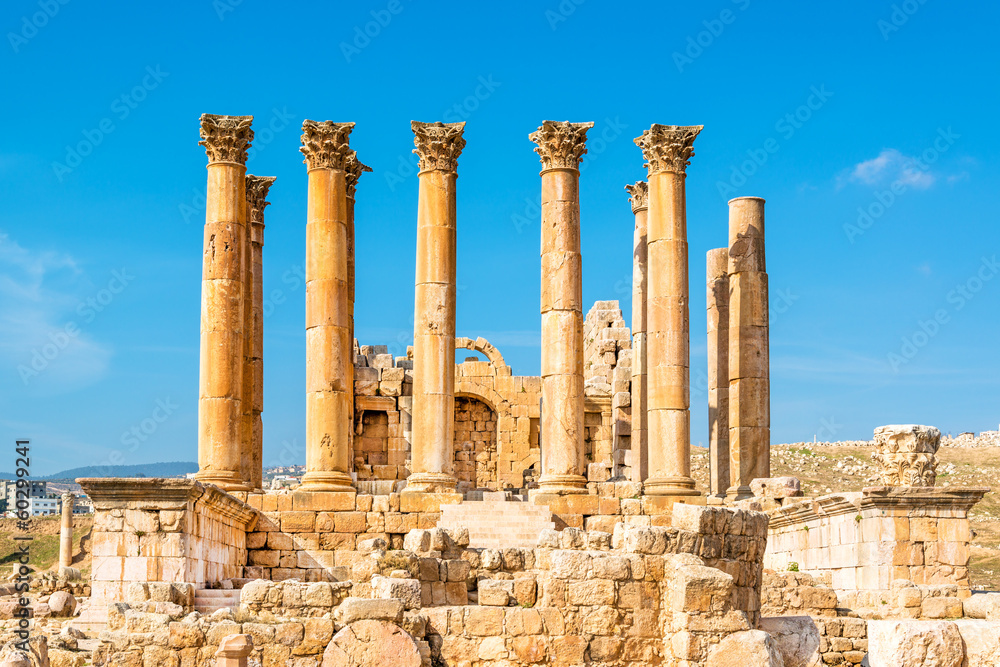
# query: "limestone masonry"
454 514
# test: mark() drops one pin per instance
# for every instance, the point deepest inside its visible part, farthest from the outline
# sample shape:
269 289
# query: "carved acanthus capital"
354 169
906 454
438 144
638 195
561 145
668 147
257 187
326 144
226 138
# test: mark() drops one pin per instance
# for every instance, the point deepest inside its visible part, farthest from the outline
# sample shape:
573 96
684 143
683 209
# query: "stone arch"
483 346
370 643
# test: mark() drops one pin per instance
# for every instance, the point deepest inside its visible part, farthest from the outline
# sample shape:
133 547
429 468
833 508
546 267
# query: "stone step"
209 593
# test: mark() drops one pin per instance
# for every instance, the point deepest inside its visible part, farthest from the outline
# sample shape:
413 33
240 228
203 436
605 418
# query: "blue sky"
870 128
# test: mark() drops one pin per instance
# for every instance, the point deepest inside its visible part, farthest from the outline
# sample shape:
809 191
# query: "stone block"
741 649
915 644
427 503
407 590
298 522
355 609
495 592
797 637
484 621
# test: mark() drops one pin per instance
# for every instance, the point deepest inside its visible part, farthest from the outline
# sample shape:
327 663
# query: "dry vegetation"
827 469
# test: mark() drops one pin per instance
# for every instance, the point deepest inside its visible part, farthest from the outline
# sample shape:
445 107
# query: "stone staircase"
208 600
494 524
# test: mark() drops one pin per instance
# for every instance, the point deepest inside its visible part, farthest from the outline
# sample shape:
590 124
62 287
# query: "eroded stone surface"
372 644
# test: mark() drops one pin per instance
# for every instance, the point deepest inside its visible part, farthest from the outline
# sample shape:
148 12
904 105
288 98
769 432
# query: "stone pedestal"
906 454
639 198
749 364
253 382
220 400
718 370
561 146
432 449
668 149
329 348
66 531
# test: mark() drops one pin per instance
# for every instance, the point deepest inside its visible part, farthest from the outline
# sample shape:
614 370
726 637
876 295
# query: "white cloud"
893 166
43 340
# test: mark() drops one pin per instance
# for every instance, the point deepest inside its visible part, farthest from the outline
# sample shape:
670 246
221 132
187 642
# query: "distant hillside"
167 469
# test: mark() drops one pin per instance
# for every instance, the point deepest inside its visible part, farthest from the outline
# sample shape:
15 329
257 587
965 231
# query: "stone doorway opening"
475 445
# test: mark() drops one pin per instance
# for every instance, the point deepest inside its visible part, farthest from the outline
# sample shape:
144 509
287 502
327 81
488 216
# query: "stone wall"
866 540
607 373
641 596
163 530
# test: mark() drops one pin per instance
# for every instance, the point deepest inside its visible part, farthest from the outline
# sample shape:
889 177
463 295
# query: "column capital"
226 138
354 169
438 144
326 144
561 144
668 147
638 195
257 188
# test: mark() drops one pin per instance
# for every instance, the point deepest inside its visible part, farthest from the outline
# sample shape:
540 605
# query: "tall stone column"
668 149
329 348
220 410
749 364
718 370
66 531
432 450
561 146
354 170
639 196
253 458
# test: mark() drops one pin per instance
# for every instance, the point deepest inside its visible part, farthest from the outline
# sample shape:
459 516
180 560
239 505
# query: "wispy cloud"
43 341
892 165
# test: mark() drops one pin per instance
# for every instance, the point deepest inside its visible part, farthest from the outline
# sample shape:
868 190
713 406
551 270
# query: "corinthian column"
329 348
718 370
749 370
438 145
561 146
220 418
253 458
639 196
667 149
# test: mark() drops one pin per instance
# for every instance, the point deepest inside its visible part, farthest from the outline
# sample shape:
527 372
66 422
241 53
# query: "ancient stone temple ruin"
459 514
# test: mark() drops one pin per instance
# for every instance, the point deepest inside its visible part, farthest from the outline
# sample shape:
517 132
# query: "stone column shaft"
639 441
432 450
749 363
220 409
718 370
257 189
329 348
561 146
667 149
66 531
